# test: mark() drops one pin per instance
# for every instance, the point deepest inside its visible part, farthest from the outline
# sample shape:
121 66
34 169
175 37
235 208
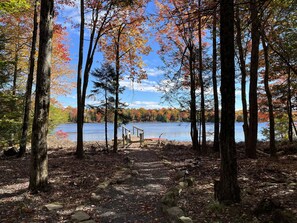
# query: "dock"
134 136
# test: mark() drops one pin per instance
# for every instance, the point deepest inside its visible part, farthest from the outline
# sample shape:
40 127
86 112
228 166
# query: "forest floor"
128 186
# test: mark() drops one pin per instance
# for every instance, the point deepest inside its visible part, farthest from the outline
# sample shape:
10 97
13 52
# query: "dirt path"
137 199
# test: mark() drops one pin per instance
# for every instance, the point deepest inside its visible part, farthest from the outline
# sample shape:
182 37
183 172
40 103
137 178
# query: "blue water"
178 131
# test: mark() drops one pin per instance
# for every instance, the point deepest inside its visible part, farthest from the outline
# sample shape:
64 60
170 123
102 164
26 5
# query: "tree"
105 81
178 34
10 118
16 29
242 65
227 190
253 103
62 72
28 94
80 104
214 82
202 107
281 40
13 40
39 157
98 28
5 64
269 99
123 45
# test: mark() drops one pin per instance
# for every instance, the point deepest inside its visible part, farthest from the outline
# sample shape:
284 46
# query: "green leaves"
10 118
12 6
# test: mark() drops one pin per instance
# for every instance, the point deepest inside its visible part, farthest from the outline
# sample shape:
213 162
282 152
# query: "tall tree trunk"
82 86
39 158
269 99
201 80
242 65
289 107
80 107
105 118
253 102
116 109
28 95
227 190
193 111
89 62
216 143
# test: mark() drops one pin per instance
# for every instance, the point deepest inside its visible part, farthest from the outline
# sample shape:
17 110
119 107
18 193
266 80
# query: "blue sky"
137 95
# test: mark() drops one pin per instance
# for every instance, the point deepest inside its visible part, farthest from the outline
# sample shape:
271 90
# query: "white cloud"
133 104
144 86
146 104
154 72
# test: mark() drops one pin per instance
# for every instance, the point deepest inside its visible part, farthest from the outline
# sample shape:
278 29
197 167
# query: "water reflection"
178 131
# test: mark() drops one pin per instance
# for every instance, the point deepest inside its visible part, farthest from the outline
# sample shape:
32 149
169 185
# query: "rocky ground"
155 183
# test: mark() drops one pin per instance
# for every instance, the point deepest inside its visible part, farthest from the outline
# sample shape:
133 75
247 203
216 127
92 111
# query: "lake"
178 131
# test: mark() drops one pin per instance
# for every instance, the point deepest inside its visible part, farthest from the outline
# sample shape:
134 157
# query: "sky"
136 95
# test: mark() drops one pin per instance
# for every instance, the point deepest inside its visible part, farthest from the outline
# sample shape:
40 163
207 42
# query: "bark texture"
227 190
193 109
216 143
203 120
39 157
253 102
80 107
269 100
28 95
242 65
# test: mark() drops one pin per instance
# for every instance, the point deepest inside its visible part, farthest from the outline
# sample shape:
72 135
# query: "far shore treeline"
146 115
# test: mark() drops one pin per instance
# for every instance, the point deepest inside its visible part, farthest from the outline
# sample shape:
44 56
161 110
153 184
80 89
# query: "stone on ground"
175 212
170 197
80 216
184 219
53 206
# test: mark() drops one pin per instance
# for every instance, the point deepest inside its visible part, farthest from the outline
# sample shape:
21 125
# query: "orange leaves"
61 70
125 35
60 43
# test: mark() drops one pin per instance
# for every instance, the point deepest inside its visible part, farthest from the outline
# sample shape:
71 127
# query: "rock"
103 185
53 206
184 219
10 152
174 213
170 197
186 182
95 197
108 214
183 184
80 216
292 184
166 162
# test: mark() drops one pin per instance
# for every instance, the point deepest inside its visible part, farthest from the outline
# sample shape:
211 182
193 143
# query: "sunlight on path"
138 198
